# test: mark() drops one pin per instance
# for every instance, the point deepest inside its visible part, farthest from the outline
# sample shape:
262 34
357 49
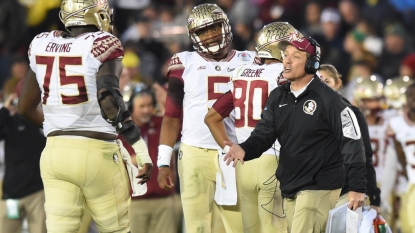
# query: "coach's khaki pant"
153 215
197 173
30 207
309 210
261 204
78 170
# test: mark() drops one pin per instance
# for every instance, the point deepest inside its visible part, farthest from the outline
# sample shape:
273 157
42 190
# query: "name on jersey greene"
252 72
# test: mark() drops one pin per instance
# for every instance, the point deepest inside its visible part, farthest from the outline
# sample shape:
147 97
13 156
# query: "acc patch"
310 107
244 56
180 154
350 126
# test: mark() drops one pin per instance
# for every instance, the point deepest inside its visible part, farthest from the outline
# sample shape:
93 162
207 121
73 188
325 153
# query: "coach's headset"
313 62
139 90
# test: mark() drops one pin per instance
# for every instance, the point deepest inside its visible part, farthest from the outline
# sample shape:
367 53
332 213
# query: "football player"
403 130
249 89
368 96
196 80
74 76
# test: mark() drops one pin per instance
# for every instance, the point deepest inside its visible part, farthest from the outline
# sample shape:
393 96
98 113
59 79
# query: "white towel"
225 193
138 189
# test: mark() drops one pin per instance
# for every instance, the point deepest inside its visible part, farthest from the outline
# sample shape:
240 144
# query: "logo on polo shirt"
310 107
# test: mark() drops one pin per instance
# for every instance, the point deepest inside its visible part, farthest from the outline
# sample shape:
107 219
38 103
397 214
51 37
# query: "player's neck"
76 31
219 56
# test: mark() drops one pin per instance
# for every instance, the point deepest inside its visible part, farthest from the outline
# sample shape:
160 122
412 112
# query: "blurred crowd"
361 38
358 37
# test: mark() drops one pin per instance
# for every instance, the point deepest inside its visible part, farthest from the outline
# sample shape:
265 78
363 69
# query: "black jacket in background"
318 133
24 142
373 191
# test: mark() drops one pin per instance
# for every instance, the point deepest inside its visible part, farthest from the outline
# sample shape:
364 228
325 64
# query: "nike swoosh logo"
229 70
282 105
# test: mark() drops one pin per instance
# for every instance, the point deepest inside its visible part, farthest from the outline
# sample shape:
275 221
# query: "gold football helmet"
395 91
203 16
368 88
269 37
86 12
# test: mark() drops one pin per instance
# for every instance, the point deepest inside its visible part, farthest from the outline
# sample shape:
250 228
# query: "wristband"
226 149
141 151
164 156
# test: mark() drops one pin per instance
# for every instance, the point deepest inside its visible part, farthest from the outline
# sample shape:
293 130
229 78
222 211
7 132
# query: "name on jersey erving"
62 48
252 72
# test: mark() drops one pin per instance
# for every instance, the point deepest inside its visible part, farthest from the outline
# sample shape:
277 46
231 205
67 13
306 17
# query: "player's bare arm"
114 111
29 102
216 126
401 156
169 130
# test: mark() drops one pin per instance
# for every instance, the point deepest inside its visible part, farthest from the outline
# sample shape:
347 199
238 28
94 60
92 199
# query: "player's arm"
114 110
29 101
170 128
214 118
262 137
399 151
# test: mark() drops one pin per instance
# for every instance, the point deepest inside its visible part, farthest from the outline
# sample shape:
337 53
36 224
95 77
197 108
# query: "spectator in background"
331 41
131 62
350 12
18 68
153 212
153 53
312 26
126 13
394 51
23 195
12 34
407 67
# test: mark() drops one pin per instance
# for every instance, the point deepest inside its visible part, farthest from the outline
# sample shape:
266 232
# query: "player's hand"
235 154
165 178
145 173
356 200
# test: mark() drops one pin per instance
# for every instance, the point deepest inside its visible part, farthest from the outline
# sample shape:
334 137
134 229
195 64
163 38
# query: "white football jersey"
379 143
251 86
205 80
66 70
404 131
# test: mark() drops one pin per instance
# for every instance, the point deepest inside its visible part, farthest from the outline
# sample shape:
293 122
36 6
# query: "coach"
318 133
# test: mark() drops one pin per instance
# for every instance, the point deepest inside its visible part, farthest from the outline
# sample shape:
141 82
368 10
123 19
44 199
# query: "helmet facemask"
206 15
223 40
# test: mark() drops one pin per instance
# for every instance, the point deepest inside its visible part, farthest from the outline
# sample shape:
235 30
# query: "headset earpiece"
313 62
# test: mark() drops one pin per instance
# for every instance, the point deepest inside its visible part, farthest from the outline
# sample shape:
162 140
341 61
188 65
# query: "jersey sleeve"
107 47
176 68
224 105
